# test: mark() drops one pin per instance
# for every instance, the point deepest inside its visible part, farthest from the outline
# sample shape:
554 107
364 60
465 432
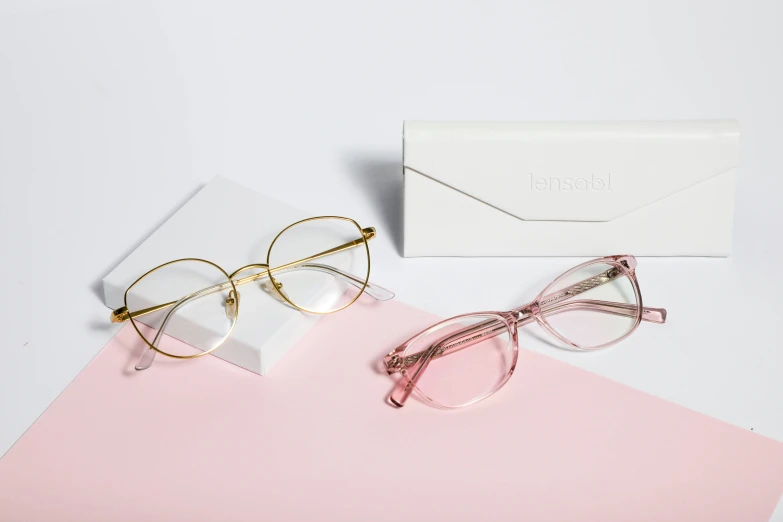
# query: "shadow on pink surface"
204 440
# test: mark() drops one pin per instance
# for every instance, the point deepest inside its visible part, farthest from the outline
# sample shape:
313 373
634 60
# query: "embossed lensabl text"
594 183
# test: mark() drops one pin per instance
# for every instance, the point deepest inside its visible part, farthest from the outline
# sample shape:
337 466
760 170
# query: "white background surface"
112 114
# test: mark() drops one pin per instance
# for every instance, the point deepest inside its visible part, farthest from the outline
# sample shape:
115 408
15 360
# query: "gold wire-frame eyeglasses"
316 233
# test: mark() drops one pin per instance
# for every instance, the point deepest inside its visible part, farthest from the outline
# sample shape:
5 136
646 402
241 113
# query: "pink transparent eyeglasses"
592 306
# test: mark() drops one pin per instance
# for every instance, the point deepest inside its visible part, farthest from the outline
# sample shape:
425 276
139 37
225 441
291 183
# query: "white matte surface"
655 188
113 114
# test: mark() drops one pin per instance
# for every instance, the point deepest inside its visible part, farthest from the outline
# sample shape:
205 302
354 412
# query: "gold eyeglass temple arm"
122 314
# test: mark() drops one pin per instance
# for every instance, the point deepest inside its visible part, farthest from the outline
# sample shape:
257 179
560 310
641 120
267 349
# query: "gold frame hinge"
120 315
368 232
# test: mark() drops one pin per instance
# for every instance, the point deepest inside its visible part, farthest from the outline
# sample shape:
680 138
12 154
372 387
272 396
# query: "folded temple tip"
378 292
654 315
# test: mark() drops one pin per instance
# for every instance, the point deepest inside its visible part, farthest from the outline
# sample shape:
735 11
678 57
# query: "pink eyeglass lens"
592 306
462 360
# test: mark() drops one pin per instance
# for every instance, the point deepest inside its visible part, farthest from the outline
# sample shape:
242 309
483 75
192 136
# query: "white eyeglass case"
569 189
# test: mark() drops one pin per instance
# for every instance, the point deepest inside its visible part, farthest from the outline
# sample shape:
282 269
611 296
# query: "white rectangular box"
569 189
231 226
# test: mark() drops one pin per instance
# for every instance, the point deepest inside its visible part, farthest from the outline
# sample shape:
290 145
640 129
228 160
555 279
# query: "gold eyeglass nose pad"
266 286
231 304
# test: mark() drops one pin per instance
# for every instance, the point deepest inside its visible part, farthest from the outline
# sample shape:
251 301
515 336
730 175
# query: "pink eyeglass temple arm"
414 364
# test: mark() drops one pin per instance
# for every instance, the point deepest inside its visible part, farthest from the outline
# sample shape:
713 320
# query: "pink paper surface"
315 440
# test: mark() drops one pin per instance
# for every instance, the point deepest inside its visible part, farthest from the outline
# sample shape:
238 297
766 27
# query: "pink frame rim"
396 361
507 318
615 261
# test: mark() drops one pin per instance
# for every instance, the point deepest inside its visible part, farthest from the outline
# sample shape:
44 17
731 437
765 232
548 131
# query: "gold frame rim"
193 356
365 234
363 238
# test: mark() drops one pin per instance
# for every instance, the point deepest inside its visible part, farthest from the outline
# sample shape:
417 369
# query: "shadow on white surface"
381 180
